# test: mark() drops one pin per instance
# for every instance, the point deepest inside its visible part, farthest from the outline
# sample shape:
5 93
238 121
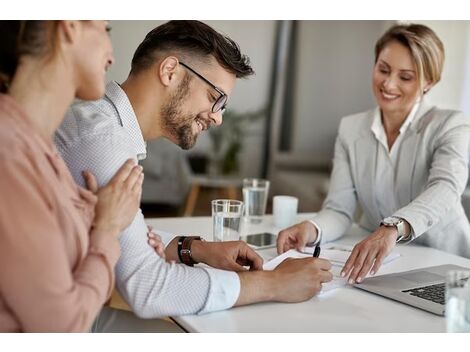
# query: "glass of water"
255 196
458 301
226 216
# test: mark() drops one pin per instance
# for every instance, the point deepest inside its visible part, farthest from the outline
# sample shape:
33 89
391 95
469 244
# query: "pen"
316 252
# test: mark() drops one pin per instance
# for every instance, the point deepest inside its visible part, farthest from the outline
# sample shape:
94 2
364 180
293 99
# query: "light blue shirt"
100 136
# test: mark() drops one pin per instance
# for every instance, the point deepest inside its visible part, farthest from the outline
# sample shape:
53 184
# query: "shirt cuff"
319 234
224 289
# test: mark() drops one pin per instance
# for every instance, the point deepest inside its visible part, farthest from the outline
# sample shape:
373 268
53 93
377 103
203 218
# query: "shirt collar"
116 96
377 127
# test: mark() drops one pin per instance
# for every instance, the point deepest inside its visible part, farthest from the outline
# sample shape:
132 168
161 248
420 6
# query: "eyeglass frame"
218 90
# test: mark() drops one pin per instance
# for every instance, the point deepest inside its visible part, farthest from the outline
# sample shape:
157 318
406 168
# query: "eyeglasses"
221 102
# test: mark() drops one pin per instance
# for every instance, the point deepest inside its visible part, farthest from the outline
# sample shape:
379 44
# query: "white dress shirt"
100 136
386 166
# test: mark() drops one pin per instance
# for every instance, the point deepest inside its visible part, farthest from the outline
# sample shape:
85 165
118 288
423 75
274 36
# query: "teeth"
389 96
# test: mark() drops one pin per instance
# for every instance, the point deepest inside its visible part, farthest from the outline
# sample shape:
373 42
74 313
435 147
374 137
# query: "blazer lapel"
366 165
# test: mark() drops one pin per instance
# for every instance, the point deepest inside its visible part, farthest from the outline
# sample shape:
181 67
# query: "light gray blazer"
431 176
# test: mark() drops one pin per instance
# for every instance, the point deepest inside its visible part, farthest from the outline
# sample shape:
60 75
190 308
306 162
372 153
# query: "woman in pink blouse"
58 242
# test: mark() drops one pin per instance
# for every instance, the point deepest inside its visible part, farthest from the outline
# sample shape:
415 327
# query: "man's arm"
150 285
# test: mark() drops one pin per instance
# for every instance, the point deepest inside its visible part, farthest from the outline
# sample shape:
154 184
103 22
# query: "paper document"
336 254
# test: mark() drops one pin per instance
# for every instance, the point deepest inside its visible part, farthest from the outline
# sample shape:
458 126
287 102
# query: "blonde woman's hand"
369 254
296 237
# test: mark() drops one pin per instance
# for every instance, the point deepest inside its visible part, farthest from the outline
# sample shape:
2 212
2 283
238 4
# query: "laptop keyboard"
434 293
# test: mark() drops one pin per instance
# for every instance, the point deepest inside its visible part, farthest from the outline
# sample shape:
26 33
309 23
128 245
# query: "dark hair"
424 45
192 39
22 38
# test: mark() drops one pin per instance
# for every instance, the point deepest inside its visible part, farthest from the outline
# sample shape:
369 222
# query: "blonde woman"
404 162
58 242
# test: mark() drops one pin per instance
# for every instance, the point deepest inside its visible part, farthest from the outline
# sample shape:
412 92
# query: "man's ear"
69 30
167 70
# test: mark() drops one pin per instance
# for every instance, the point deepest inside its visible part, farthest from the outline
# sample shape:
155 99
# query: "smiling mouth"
389 96
202 126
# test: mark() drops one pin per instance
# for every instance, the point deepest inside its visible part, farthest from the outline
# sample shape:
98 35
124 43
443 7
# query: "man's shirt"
100 136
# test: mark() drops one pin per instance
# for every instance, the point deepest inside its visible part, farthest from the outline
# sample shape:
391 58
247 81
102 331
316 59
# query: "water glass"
284 210
458 301
226 216
255 196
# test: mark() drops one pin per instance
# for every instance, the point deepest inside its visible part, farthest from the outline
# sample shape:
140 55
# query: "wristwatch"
184 249
398 223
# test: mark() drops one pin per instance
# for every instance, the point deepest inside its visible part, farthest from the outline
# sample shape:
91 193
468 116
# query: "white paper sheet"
336 254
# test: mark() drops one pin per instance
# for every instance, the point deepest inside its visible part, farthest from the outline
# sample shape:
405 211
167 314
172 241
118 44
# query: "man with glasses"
181 77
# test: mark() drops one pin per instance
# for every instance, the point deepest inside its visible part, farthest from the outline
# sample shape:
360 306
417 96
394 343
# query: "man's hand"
296 237
368 253
232 255
294 280
301 279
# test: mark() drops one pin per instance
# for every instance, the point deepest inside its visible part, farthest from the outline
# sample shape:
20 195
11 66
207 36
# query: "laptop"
422 288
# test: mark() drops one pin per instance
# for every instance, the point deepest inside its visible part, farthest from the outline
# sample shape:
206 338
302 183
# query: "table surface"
346 309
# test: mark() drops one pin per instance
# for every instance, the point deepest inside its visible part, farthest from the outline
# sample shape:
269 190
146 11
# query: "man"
181 77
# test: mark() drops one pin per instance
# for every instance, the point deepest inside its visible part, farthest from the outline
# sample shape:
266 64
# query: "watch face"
392 221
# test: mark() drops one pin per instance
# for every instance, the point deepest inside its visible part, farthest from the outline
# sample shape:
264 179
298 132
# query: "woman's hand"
119 200
155 241
368 253
296 236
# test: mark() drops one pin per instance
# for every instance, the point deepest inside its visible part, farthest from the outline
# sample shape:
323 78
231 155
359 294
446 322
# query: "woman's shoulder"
442 119
357 123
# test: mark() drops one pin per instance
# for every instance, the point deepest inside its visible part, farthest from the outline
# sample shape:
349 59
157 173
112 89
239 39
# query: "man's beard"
177 124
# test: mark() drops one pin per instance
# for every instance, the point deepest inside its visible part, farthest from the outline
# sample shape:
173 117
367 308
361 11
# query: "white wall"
450 93
256 39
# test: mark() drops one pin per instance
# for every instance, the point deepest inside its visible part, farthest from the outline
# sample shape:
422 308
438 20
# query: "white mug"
284 210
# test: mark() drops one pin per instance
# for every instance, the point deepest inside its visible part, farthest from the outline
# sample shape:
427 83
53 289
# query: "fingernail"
343 274
151 242
372 272
359 279
351 281
151 235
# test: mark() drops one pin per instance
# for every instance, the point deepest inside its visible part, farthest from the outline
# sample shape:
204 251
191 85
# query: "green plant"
227 139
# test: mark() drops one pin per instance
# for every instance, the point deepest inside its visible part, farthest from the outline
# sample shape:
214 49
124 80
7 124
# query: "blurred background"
282 122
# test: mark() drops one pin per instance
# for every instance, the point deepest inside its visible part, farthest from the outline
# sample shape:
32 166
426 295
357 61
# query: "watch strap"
185 253
180 247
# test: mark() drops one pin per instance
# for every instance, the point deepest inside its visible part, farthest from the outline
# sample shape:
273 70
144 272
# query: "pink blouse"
54 274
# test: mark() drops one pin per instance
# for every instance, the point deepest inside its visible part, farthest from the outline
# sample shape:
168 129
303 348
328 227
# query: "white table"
345 309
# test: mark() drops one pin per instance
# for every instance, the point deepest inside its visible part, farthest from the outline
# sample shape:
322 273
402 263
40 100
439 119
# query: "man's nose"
216 117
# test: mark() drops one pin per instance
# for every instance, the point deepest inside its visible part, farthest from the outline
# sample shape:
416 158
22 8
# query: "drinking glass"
226 216
458 301
255 196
